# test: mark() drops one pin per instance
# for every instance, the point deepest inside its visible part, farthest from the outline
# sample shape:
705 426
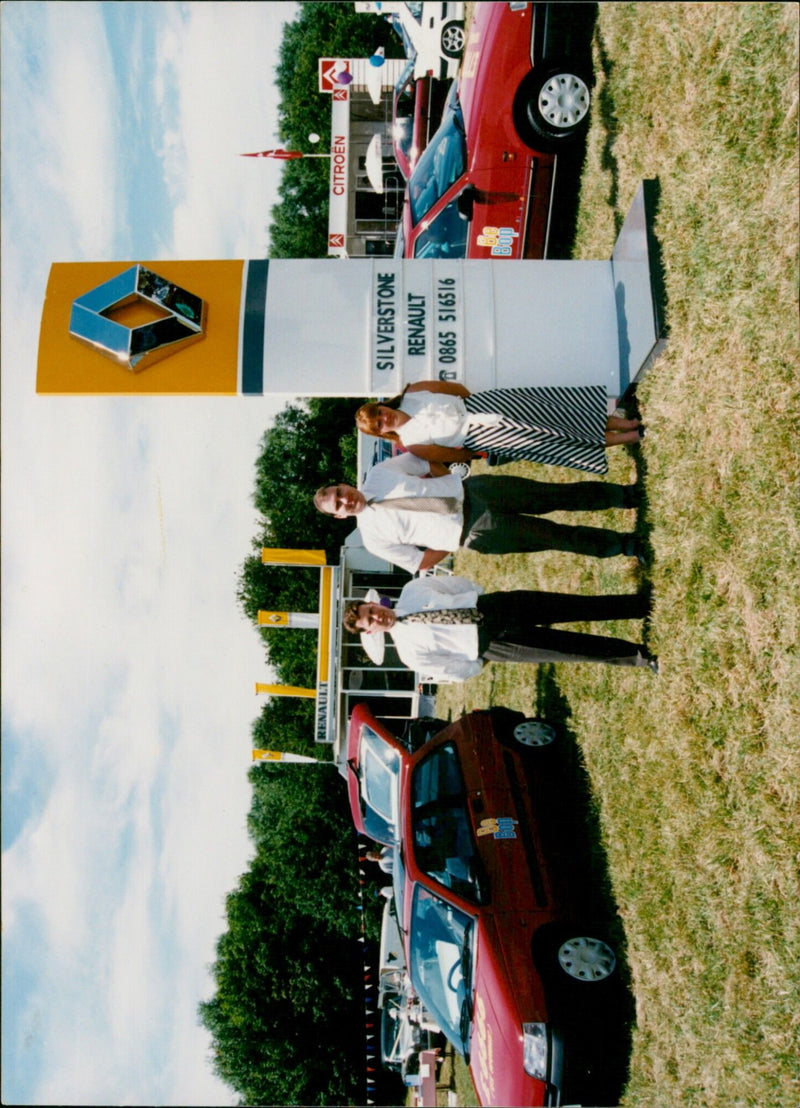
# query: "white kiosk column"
367 327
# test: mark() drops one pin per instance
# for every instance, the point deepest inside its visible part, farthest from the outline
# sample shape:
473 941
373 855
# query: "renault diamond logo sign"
177 318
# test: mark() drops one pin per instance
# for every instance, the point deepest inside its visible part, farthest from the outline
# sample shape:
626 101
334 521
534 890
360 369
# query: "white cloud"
41 869
131 671
138 987
128 670
63 127
221 112
79 124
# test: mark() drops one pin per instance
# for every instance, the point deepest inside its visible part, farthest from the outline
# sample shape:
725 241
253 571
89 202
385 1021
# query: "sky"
128 669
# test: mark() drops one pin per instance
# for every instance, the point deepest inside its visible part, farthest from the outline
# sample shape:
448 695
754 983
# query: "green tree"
289 969
299 227
310 443
287 723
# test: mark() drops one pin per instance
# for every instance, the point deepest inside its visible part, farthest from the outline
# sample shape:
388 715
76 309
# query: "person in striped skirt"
441 421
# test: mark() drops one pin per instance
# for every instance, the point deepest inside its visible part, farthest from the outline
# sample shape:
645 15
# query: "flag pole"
282 155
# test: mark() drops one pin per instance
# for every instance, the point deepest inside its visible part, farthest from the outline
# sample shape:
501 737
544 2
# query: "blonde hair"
318 495
367 421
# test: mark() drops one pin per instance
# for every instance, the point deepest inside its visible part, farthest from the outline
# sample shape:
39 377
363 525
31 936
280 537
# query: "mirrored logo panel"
172 318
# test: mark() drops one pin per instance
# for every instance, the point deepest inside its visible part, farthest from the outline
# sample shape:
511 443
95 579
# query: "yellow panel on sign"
272 619
325 601
208 365
277 556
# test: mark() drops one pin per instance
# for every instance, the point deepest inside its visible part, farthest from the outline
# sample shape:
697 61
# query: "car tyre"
453 39
551 109
534 734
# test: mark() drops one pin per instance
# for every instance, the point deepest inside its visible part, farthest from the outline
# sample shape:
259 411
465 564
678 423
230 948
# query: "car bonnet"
495 1059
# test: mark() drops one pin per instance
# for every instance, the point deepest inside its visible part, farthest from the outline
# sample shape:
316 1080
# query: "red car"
485 184
497 947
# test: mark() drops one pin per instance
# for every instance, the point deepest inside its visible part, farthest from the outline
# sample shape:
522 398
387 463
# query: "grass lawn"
696 772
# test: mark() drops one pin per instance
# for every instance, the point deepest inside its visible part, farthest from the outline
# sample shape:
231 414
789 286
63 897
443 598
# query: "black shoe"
634 548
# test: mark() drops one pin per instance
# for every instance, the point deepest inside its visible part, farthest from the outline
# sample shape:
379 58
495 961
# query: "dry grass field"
696 772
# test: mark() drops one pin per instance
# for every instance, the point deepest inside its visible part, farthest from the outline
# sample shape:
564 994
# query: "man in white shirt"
490 514
502 626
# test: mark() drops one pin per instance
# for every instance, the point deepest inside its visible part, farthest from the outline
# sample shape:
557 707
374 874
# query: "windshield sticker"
500 828
500 239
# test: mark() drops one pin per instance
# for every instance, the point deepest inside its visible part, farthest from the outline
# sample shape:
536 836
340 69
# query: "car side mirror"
466 201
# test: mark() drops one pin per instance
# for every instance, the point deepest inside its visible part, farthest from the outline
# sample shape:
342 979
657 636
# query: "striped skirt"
555 426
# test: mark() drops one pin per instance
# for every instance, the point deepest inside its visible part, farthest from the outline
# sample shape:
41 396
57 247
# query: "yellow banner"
325 599
274 556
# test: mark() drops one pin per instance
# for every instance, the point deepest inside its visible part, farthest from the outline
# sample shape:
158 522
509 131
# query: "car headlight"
535 1050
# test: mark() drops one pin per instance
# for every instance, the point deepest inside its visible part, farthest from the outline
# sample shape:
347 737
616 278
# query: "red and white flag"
281 756
284 155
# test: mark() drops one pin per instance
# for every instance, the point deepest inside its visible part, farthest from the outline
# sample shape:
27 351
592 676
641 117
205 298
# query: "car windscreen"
443 841
442 162
445 236
379 770
440 962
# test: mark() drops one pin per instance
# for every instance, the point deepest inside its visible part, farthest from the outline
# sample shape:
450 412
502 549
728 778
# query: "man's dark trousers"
512 629
501 516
